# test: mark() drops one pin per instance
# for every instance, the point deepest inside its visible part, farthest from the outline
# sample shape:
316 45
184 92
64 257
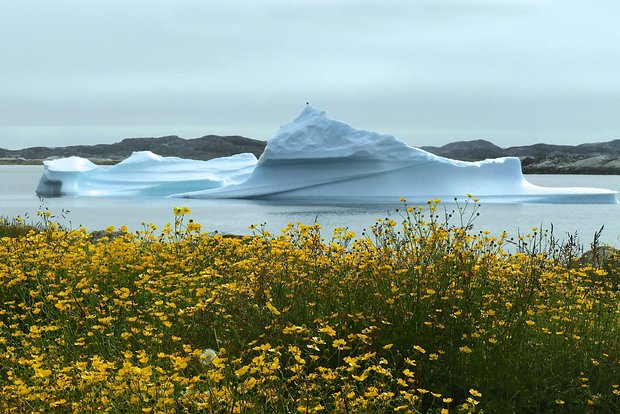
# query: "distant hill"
205 148
468 150
593 158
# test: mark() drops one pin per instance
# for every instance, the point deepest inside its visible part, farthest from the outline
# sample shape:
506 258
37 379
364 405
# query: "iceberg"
317 159
313 159
142 174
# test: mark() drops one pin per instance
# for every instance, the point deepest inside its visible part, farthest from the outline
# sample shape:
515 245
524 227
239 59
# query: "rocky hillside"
205 148
594 158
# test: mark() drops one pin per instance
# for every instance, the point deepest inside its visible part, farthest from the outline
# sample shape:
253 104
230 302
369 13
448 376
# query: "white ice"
316 159
143 173
313 159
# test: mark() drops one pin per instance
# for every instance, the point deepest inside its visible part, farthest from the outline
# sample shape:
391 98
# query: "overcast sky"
427 71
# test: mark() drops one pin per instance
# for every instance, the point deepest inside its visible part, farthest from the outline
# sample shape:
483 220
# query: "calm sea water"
18 183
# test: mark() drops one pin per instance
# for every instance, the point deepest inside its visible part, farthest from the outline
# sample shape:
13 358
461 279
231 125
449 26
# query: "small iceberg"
142 174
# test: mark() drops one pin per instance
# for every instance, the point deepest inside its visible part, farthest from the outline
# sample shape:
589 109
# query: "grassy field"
416 316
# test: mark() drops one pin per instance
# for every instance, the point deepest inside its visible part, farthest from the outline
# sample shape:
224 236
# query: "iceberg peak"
310 111
312 135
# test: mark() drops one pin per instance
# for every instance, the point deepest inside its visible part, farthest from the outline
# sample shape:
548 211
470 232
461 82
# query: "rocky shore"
593 158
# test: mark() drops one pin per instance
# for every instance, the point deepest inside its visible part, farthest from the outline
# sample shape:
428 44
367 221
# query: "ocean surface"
18 184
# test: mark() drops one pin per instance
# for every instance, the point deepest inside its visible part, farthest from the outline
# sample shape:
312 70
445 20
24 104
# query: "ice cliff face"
143 173
313 159
316 159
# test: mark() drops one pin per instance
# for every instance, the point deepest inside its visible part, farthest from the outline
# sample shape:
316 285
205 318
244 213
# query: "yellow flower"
371 392
339 343
42 373
181 211
291 329
472 401
360 377
242 371
328 330
475 393
465 349
58 403
272 308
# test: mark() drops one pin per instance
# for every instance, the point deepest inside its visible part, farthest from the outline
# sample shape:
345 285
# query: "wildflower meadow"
419 314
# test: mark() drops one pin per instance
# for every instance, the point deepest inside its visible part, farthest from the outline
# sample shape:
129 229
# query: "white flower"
207 356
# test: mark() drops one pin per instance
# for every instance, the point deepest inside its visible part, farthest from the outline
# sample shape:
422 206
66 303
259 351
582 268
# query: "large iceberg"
316 159
313 159
143 173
